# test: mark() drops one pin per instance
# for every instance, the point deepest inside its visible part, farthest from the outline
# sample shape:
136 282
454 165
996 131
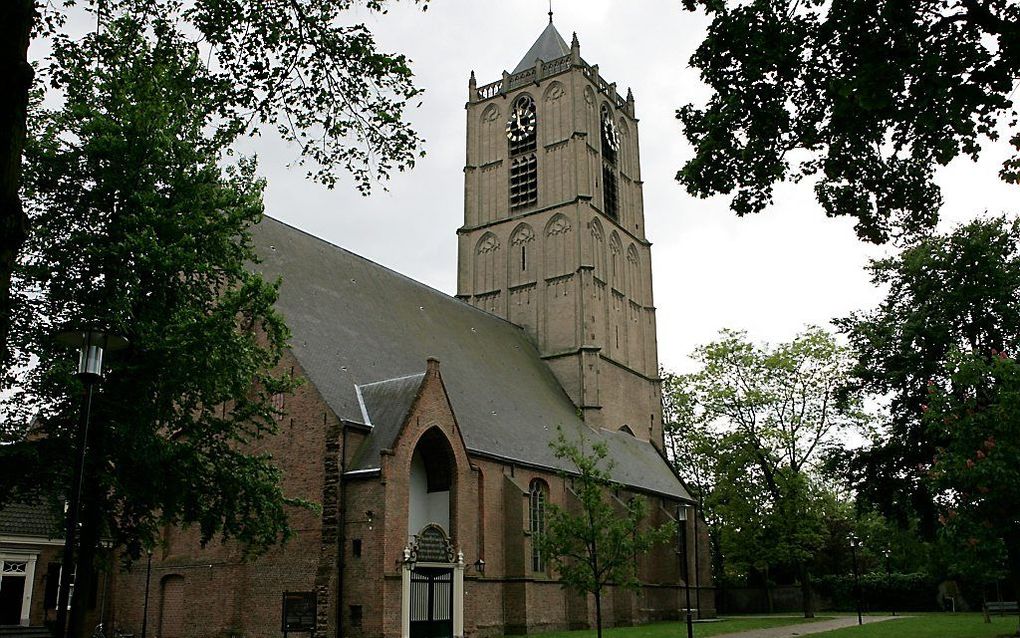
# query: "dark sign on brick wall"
298 611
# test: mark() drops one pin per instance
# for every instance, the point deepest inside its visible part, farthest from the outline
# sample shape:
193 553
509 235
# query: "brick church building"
423 429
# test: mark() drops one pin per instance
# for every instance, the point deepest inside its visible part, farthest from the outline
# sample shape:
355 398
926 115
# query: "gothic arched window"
522 134
538 496
634 274
522 258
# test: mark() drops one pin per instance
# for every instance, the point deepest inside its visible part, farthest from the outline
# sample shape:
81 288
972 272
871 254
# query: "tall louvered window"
610 148
522 134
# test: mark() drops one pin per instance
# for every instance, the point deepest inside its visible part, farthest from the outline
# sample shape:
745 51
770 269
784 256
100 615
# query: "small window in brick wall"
279 402
356 547
356 615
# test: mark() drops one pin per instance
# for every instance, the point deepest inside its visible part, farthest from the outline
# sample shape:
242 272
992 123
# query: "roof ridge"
406 376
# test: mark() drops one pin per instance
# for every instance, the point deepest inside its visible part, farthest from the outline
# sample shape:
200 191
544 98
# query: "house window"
356 615
538 496
356 547
279 402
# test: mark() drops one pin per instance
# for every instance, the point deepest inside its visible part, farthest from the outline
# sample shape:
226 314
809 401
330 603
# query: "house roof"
549 46
356 323
36 520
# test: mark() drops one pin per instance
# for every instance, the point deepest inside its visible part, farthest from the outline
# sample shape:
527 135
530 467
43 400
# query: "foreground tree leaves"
142 225
974 475
747 429
596 540
296 66
957 291
866 98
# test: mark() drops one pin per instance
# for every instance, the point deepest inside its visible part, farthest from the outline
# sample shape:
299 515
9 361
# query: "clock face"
610 134
522 121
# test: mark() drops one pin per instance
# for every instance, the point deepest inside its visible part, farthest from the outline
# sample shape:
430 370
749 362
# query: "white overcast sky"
770 274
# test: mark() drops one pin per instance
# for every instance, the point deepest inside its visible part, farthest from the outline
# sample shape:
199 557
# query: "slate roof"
385 404
549 46
29 519
356 323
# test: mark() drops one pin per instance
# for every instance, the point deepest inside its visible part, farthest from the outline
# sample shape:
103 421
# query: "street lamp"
682 519
91 344
857 576
887 553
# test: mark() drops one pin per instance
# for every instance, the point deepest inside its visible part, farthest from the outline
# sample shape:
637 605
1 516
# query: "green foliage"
598 542
746 430
957 290
880 591
142 225
975 474
301 68
864 98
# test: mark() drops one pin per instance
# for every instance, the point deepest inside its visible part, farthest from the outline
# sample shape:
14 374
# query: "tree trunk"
16 20
769 604
807 593
598 613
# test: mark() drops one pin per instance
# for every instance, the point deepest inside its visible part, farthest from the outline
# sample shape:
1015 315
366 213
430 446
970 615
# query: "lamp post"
91 344
145 605
682 519
887 553
857 577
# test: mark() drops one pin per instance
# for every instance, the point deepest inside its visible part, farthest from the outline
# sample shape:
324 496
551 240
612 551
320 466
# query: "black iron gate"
431 602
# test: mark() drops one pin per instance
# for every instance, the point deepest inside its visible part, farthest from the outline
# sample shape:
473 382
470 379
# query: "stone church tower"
554 232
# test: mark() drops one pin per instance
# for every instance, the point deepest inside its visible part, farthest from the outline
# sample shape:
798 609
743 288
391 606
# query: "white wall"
423 507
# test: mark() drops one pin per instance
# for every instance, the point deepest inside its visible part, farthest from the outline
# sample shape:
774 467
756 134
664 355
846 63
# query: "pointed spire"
472 87
548 47
550 11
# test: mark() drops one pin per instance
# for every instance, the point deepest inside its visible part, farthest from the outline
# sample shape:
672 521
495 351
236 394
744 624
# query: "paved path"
803 629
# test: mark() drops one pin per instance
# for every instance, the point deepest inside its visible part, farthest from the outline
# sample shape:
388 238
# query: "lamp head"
91 344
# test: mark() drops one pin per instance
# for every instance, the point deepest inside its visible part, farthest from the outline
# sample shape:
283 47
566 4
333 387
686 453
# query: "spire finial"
550 12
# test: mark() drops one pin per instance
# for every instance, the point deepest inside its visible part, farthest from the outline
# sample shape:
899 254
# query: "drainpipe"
341 536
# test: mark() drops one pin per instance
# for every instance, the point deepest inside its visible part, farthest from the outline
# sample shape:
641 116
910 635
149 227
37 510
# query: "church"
424 424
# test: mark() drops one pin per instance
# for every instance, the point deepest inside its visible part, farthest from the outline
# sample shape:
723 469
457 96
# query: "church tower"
554 235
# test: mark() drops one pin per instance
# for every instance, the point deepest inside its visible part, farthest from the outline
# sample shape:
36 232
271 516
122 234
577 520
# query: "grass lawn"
931 626
679 630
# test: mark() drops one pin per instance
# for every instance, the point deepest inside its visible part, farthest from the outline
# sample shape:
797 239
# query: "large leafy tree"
867 98
595 544
142 225
975 412
771 410
959 290
298 66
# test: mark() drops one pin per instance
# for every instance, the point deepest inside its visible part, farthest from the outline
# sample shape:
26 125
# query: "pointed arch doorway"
432 571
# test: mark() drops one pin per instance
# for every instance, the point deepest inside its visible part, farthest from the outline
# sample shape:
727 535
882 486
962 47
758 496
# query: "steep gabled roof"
356 323
385 405
36 520
549 46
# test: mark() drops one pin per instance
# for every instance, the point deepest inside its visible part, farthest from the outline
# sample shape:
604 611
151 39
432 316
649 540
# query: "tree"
293 65
142 225
974 475
958 290
771 411
865 98
599 544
